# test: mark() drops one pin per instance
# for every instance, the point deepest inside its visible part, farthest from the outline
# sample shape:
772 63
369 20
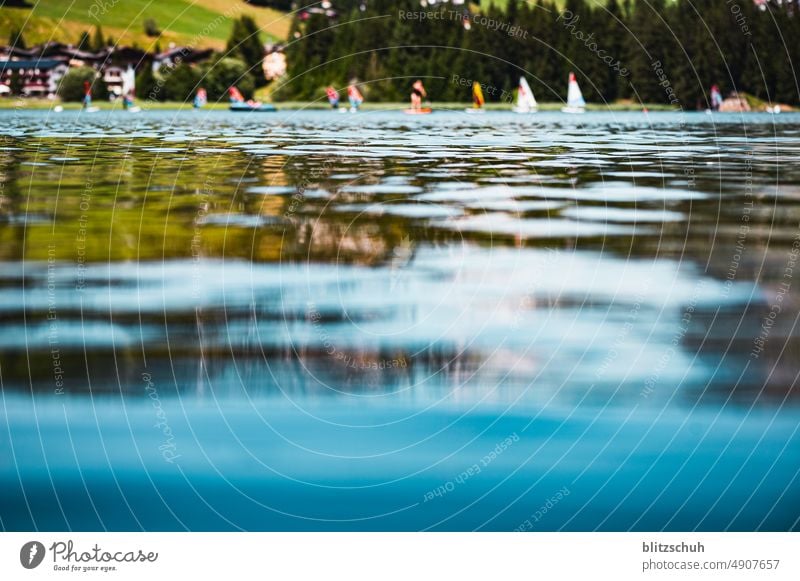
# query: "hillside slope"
204 23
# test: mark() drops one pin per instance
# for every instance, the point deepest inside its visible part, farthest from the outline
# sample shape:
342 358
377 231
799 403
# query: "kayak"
422 111
264 108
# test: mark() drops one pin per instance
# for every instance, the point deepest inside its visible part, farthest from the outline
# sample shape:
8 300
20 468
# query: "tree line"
239 65
648 51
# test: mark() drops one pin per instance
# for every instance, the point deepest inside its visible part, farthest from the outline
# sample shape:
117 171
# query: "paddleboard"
245 107
423 111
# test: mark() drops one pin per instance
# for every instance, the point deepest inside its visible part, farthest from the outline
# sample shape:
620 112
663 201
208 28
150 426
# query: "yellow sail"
477 95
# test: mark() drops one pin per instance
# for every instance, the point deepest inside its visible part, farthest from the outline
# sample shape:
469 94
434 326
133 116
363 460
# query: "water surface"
321 306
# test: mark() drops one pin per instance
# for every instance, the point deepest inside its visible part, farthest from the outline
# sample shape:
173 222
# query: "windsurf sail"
477 96
128 87
355 96
236 95
574 95
128 81
333 96
87 94
525 98
200 98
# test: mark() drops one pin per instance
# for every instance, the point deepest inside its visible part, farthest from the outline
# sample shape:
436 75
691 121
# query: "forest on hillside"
650 51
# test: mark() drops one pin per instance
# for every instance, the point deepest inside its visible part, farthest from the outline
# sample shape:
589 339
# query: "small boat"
422 111
575 102
239 104
526 103
254 106
477 99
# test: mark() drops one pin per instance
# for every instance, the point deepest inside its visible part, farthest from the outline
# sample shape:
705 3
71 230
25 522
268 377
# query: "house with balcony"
36 77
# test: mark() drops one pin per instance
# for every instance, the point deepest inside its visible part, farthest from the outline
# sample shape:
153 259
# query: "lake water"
315 321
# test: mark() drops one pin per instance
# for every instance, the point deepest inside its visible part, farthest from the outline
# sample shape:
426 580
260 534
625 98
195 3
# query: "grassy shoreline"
43 104
11 103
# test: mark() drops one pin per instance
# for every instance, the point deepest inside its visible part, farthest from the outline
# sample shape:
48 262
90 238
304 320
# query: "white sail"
128 80
574 95
525 98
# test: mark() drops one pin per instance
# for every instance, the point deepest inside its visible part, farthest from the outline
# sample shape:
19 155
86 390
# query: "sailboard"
477 99
526 102
575 102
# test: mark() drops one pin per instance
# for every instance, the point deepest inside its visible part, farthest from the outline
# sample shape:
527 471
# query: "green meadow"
200 22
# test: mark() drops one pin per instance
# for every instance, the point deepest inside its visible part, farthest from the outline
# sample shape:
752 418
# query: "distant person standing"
716 98
417 94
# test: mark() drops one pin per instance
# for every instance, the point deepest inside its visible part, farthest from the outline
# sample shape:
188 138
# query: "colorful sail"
87 94
716 98
477 96
354 96
525 98
333 96
236 95
574 95
200 98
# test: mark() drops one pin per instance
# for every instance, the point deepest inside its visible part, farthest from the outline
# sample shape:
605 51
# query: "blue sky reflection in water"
370 322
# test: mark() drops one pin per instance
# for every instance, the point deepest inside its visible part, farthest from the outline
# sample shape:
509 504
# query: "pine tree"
696 43
644 52
611 22
98 41
244 43
16 40
180 83
84 42
146 85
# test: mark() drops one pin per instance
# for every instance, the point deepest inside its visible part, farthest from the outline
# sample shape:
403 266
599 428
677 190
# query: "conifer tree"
98 41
